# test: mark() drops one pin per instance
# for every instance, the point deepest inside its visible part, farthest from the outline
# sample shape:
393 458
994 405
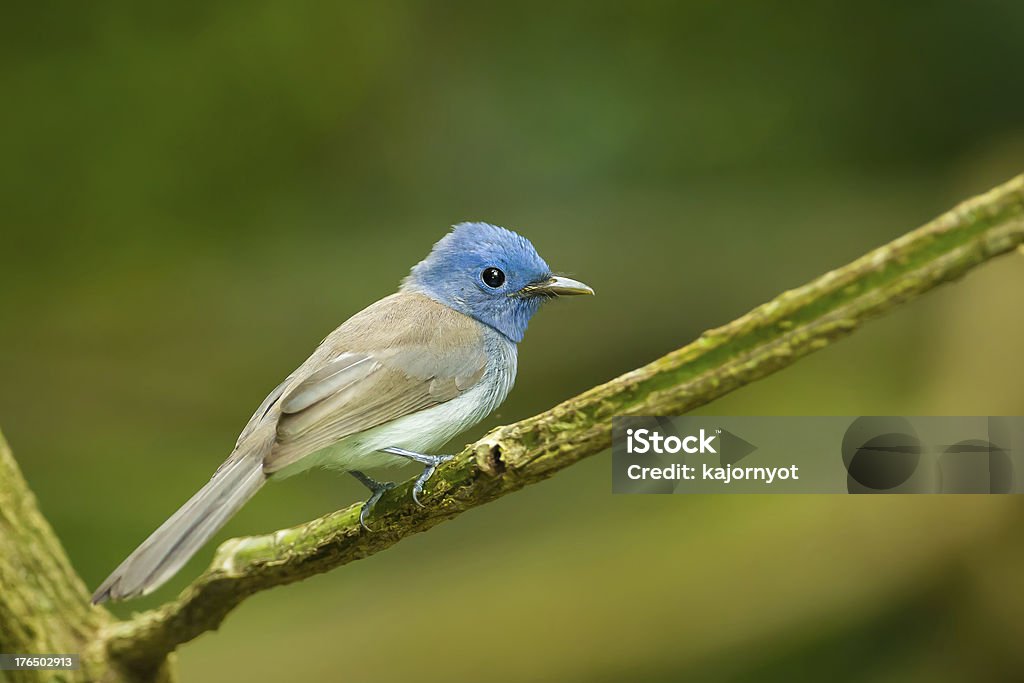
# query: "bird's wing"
402 355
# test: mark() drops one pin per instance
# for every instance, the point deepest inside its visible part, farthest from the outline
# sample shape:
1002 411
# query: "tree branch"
765 340
44 607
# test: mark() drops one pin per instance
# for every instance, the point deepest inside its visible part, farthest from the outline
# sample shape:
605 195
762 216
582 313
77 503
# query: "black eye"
493 277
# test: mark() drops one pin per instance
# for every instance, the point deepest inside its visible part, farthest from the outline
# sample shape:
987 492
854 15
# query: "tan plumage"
352 387
422 354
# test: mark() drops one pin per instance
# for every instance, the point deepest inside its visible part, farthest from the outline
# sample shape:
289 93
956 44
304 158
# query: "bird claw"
428 472
377 489
432 462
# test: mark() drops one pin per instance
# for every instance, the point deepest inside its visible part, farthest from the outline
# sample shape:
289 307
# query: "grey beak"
557 286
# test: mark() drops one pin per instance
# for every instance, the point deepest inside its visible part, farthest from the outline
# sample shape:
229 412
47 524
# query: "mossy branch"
761 342
34 570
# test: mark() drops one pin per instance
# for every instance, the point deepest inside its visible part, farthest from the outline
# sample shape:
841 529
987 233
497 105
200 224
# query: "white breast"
426 430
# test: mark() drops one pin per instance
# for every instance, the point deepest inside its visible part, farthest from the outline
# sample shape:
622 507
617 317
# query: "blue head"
490 274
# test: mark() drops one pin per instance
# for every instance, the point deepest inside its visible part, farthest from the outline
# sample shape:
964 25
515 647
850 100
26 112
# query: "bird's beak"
556 286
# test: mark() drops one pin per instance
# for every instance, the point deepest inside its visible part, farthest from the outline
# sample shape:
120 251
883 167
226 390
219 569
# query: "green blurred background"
195 193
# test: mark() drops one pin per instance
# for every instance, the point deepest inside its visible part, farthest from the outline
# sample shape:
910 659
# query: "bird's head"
490 274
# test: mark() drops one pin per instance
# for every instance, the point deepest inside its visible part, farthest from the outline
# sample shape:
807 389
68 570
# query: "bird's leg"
377 490
431 462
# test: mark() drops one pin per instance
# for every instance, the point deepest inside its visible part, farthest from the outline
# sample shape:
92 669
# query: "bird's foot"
377 489
428 472
431 461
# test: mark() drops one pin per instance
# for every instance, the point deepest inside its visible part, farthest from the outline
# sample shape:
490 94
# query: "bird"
392 384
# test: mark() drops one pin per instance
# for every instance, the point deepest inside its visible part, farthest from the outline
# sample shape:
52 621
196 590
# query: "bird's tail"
179 538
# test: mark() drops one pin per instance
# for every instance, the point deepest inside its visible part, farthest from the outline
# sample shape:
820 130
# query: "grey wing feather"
338 374
410 368
383 395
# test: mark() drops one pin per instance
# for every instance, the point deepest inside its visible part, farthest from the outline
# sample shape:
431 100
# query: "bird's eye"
493 277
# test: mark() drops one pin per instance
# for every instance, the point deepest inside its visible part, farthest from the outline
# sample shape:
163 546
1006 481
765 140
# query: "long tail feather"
179 538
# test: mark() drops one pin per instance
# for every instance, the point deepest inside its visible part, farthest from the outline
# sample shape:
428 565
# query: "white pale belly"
424 431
